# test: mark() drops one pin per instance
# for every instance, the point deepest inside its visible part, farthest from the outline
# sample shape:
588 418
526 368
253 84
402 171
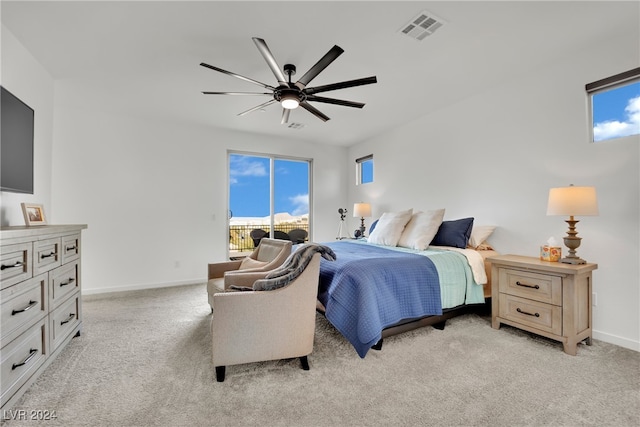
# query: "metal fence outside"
241 243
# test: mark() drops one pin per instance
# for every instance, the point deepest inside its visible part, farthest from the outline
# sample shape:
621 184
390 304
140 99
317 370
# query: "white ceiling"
142 58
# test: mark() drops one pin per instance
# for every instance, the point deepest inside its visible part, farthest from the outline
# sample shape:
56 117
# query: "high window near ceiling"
614 106
364 169
269 196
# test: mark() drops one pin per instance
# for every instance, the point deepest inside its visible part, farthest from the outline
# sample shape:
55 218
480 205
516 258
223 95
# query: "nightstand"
551 299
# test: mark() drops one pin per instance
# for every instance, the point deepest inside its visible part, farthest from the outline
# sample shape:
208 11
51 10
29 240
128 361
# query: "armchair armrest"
218 269
243 278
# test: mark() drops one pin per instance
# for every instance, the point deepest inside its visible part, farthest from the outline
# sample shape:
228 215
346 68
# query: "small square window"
364 170
614 105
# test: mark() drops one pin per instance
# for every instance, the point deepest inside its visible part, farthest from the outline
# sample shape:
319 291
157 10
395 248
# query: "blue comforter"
368 288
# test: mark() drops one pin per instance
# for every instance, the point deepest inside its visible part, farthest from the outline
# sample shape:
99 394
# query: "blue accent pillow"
454 233
373 226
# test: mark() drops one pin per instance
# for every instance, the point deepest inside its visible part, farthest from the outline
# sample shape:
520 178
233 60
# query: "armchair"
260 325
269 254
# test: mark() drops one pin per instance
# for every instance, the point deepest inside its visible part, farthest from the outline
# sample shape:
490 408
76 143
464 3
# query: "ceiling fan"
291 95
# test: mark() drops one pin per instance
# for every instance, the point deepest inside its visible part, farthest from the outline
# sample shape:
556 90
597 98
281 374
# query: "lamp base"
576 260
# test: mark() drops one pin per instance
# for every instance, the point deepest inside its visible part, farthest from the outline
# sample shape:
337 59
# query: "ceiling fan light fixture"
290 101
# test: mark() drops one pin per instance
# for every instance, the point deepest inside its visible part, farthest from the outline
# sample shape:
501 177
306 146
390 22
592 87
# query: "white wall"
154 193
23 76
495 155
151 192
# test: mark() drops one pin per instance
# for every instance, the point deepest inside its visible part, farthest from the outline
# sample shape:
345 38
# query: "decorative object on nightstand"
341 231
572 201
362 210
546 298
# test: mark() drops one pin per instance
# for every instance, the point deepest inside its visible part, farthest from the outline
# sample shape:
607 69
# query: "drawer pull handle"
43 256
17 264
528 286
68 319
22 310
31 355
71 280
70 248
528 314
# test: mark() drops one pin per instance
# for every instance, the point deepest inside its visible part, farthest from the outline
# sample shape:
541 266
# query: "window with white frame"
614 106
364 169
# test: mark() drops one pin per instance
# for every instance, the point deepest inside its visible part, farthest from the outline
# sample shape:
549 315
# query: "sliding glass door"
268 197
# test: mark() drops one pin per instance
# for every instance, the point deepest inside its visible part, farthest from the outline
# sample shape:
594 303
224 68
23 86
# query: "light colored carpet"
143 359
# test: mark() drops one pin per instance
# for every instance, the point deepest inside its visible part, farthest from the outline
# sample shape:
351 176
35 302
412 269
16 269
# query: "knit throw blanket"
293 267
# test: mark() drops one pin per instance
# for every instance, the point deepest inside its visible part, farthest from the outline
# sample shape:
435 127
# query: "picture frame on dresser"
33 214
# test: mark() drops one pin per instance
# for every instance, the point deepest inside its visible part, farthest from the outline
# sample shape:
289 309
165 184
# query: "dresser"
551 299
40 301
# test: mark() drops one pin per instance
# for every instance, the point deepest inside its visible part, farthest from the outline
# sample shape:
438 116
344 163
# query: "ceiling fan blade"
257 107
285 116
238 93
314 111
335 101
341 85
323 63
237 75
271 61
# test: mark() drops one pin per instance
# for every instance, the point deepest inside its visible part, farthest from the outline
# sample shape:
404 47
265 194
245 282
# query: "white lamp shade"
361 210
572 201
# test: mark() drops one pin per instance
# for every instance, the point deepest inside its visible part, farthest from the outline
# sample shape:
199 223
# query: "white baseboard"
141 287
614 339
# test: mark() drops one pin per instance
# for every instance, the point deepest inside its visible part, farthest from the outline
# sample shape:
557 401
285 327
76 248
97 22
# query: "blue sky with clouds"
249 181
616 112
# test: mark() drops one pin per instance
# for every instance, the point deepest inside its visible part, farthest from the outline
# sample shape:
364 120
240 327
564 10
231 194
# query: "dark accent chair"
256 235
298 235
277 234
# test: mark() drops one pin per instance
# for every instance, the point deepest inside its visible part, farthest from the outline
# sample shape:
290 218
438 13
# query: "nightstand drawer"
540 287
545 317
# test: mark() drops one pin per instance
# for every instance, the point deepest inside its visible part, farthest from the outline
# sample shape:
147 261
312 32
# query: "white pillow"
390 227
421 229
480 233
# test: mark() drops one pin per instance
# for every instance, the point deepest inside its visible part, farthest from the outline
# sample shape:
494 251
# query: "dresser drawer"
63 282
64 320
15 263
545 317
70 248
47 255
540 287
21 358
22 305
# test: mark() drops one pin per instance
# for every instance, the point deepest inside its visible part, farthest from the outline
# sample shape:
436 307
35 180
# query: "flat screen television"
16 144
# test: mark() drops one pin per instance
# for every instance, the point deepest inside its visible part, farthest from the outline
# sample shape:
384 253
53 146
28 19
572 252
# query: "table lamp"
362 210
572 201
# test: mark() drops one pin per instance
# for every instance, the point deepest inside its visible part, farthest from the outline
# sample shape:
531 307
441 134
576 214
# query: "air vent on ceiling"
295 126
423 25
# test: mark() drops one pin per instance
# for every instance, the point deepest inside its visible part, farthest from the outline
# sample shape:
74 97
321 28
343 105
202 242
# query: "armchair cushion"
271 249
248 263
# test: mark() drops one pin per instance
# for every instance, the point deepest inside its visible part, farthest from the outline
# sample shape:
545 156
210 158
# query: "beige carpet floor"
143 359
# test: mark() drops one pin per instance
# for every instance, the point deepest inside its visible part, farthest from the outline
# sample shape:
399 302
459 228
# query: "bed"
375 289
